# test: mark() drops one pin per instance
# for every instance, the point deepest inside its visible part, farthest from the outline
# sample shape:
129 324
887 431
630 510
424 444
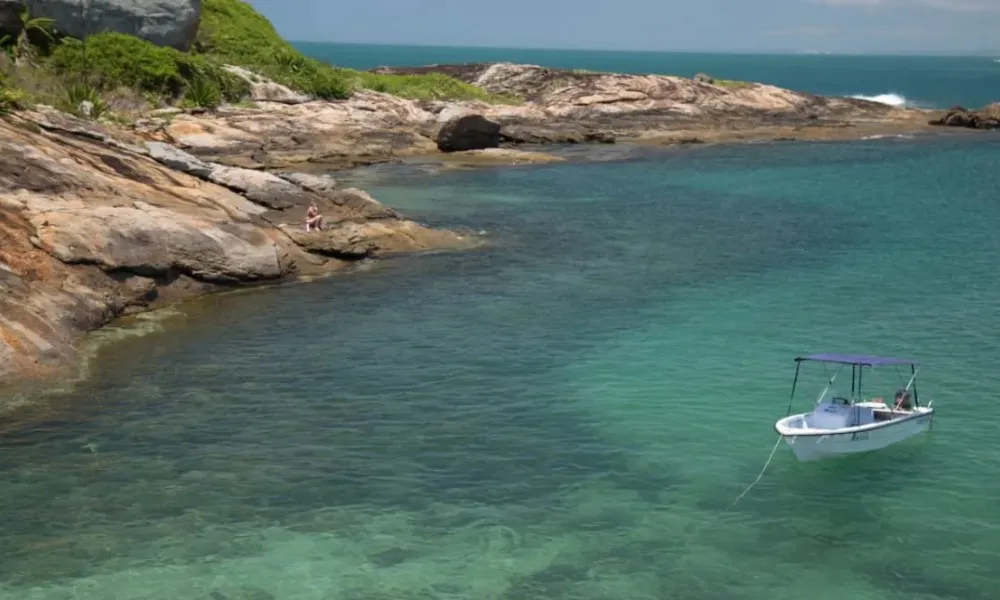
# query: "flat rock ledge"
98 223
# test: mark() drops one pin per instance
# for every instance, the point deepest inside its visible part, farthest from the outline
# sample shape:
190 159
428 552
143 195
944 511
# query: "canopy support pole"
829 384
795 381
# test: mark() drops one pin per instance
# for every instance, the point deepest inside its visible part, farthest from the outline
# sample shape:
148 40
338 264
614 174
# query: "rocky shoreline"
98 224
283 129
100 221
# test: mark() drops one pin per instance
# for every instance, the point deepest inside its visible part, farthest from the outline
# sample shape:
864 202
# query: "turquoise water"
927 81
565 414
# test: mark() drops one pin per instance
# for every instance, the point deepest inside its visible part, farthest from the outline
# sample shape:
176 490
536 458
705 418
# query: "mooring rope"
770 457
759 475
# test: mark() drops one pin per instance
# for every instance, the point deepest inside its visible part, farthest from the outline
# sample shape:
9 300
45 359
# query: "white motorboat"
840 425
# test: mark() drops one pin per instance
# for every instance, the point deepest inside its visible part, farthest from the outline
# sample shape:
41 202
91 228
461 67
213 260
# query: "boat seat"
887 415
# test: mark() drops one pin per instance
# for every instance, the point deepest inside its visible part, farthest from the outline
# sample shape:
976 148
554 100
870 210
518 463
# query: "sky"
853 26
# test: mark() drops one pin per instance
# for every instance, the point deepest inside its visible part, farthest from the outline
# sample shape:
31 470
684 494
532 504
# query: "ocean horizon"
733 51
924 81
573 410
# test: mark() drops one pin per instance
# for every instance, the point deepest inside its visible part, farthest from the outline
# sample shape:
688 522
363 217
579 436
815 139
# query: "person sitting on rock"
313 218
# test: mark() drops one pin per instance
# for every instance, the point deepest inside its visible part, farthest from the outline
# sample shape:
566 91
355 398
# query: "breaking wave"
890 99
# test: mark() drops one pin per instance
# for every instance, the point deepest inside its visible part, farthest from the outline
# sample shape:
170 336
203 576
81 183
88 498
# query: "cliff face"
95 225
163 22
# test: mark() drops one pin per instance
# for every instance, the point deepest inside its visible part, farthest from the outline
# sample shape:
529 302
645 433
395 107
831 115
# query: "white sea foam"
898 136
890 99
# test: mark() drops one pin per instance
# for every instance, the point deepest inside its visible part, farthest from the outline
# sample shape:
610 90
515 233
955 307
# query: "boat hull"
813 445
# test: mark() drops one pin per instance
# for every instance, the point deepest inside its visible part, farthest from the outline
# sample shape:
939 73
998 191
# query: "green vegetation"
80 95
432 86
733 84
9 98
30 27
232 32
115 59
43 66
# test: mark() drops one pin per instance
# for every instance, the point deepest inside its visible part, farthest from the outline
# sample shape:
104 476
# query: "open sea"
568 413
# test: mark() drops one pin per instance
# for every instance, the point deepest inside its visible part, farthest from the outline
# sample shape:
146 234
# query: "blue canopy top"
857 359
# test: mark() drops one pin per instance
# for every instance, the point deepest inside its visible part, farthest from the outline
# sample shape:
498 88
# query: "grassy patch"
733 84
432 86
232 31
10 99
31 84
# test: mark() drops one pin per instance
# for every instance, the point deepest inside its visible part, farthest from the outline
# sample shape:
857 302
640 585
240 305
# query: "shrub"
10 98
203 92
79 92
117 59
231 31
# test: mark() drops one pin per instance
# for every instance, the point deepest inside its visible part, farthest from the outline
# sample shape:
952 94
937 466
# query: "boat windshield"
835 396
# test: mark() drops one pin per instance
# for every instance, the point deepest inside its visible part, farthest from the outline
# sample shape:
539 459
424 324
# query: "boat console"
838 413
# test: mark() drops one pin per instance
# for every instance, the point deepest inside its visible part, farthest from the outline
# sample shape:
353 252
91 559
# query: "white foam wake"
890 99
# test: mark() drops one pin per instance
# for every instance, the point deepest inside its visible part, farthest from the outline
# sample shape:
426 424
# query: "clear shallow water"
927 81
564 415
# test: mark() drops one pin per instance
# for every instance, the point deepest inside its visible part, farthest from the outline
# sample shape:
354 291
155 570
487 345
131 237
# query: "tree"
43 25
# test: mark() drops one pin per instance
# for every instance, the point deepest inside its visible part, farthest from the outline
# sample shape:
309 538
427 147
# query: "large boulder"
153 241
171 23
985 118
468 132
